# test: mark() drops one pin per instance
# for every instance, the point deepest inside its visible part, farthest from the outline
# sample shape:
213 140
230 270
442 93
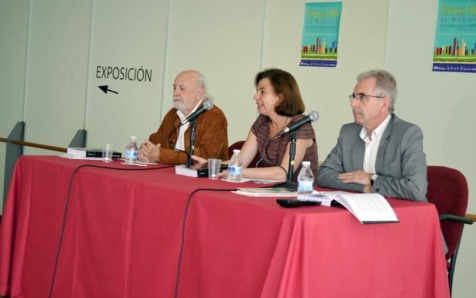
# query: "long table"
73 229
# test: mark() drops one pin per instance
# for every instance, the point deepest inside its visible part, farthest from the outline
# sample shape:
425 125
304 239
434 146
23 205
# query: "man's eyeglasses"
362 96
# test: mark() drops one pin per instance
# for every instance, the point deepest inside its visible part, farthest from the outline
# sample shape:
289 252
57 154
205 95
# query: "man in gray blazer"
379 152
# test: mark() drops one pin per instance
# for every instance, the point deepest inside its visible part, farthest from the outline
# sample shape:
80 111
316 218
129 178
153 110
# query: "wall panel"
13 48
441 103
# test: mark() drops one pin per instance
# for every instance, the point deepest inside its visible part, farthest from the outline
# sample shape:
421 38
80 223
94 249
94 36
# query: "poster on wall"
455 38
320 34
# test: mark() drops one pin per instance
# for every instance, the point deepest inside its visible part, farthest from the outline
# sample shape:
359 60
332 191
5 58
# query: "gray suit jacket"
400 164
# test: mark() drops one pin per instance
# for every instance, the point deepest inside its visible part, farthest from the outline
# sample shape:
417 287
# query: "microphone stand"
193 123
292 152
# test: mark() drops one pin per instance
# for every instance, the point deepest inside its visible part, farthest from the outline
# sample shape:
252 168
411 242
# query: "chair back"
448 190
238 145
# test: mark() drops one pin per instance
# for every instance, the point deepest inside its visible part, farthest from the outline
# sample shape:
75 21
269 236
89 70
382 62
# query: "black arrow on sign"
104 89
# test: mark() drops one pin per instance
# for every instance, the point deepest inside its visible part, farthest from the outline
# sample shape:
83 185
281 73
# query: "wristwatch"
372 179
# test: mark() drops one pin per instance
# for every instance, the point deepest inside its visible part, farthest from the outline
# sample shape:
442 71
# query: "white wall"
327 90
51 51
228 41
222 39
130 35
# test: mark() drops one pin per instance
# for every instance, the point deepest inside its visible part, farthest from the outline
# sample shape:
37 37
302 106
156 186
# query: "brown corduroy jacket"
211 137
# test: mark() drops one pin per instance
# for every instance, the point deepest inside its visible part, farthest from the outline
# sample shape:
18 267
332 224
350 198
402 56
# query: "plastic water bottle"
235 167
131 151
305 179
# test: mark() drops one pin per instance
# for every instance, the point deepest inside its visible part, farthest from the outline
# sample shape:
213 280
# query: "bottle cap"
306 163
236 150
134 137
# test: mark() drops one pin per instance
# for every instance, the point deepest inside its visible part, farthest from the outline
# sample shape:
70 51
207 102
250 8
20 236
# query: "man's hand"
148 152
359 177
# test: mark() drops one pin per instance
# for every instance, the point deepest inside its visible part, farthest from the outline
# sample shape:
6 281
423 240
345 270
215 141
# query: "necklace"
272 134
285 121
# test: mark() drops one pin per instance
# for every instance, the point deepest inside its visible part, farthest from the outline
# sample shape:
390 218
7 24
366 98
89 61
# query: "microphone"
207 105
313 116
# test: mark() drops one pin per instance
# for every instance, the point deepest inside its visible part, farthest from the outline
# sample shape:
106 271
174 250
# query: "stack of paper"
266 192
366 207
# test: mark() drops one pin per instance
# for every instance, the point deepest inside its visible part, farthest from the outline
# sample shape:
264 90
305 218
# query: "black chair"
448 190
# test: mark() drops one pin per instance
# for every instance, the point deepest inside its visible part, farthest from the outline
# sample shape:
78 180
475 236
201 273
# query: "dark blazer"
400 163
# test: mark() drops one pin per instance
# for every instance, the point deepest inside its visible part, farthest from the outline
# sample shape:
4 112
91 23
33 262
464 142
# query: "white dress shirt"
371 145
180 138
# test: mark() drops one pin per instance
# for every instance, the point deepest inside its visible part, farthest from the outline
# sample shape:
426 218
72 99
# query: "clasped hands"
149 152
359 177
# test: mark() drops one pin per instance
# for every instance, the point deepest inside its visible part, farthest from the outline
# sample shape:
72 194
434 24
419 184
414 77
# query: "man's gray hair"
386 85
202 83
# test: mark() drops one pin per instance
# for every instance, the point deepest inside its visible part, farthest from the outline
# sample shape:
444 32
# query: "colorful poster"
455 38
320 34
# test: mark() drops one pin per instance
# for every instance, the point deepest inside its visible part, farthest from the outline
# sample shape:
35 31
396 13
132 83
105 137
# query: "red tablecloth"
123 233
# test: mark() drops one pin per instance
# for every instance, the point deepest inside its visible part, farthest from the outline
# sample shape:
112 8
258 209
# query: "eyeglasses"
361 96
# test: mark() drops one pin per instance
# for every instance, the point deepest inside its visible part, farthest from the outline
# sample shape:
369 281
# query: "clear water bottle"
131 151
235 167
305 179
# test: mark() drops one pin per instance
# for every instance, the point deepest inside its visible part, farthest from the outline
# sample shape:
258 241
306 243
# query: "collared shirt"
180 139
372 144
